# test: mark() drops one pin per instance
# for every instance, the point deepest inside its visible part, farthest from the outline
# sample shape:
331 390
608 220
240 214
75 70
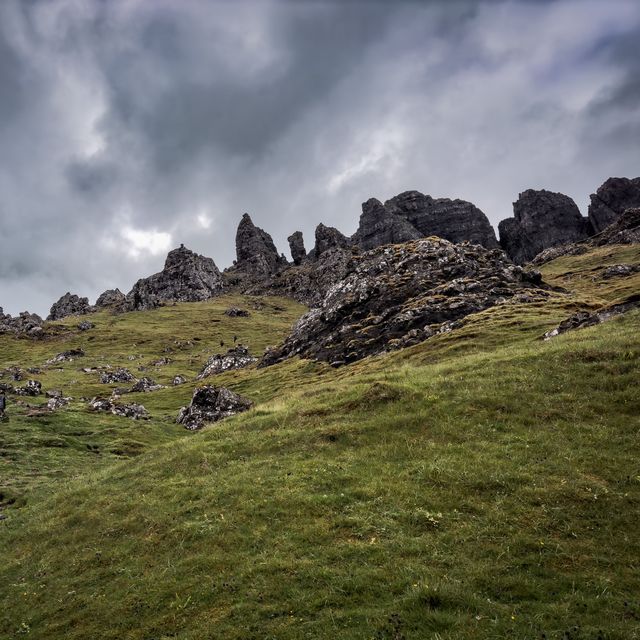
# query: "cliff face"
256 254
542 219
611 200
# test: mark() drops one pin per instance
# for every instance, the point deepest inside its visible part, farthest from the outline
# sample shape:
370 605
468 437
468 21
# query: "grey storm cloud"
130 126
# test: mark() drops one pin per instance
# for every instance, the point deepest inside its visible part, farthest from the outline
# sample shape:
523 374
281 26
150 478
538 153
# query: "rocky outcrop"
29 324
625 230
328 238
210 404
611 200
453 220
296 246
236 358
110 298
400 295
256 254
186 277
542 219
378 226
69 305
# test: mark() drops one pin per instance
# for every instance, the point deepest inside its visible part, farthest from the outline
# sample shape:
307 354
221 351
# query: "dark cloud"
129 127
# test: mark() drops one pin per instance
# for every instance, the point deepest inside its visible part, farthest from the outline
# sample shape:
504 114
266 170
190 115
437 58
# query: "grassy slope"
484 484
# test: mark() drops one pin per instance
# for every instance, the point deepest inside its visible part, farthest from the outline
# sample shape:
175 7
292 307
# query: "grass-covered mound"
483 484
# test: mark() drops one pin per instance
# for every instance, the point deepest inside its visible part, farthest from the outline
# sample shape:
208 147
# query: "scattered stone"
66 356
177 380
145 385
133 410
110 298
85 325
34 370
235 312
161 362
619 270
57 402
542 219
210 404
296 245
398 295
186 277
69 305
582 319
236 358
119 375
611 200
31 388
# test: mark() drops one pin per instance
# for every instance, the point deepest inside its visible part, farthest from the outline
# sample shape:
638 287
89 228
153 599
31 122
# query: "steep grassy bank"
483 484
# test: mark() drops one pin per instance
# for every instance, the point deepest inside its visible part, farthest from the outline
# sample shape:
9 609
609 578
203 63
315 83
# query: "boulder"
611 200
177 380
186 277
296 245
110 298
66 356
256 254
542 219
145 385
210 404
85 325
379 226
117 375
236 358
328 238
454 220
235 312
399 295
69 305
109 405
31 388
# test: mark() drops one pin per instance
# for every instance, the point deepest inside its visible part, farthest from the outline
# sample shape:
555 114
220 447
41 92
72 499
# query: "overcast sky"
129 127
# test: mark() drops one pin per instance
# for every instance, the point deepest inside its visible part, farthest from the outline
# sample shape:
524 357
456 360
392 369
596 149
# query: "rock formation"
400 295
135 411
611 200
186 277
26 323
542 219
296 246
69 305
379 226
210 404
255 252
110 298
117 375
236 358
328 238
453 220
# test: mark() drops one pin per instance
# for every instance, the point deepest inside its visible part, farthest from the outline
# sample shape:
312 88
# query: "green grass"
483 484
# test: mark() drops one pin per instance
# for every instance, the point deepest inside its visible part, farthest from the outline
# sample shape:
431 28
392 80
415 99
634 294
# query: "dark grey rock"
328 238
69 305
453 220
611 200
379 226
399 295
186 277
66 356
31 388
296 245
145 385
236 358
29 324
235 312
57 402
110 298
177 380
210 404
109 405
542 219
85 325
256 254
117 375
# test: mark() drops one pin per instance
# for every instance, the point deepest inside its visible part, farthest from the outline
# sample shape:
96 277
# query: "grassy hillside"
483 484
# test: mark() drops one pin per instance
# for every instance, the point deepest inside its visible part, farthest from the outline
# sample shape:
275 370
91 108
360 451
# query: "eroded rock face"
25 323
328 238
210 404
613 197
69 305
110 298
256 254
186 277
236 358
400 295
453 220
379 226
542 219
296 246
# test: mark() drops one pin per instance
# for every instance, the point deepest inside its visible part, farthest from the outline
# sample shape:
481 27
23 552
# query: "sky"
128 127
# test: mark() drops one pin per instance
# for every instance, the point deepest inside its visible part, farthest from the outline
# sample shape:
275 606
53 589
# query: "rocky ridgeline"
399 295
29 324
69 305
